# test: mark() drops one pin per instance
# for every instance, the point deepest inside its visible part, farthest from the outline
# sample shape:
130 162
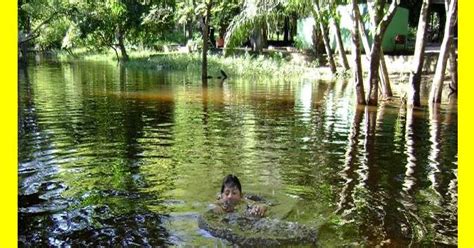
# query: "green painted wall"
398 25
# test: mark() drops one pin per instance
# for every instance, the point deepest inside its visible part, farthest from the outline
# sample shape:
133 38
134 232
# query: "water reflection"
133 155
345 203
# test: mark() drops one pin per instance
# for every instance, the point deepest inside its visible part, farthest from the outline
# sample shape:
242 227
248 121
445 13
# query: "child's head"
231 188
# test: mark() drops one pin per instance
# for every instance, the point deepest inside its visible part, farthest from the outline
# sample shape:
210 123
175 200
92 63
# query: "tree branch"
387 17
34 34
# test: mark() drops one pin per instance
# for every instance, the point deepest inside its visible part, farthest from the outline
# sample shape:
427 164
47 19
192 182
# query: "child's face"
232 194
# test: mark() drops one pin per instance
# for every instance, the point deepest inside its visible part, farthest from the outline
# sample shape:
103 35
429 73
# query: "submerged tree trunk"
205 44
340 46
437 87
357 64
413 92
319 19
380 27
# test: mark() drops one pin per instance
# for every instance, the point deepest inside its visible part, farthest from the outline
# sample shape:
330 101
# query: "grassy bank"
274 64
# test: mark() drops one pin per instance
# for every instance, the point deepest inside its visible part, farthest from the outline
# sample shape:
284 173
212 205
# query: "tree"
335 20
383 74
108 23
205 10
250 20
186 15
222 14
417 62
42 20
322 27
380 21
256 14
357 64
340 45
437 86
453 63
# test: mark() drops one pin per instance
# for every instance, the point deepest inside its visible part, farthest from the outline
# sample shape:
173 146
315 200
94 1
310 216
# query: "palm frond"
253 12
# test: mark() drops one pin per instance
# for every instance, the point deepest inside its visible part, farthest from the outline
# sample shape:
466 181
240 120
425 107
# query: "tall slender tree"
437 87
340 45
356 55
380 21
206 18
413 91
383 73
453 63
322 24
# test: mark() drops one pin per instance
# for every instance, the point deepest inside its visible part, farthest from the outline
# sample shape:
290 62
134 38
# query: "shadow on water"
115 156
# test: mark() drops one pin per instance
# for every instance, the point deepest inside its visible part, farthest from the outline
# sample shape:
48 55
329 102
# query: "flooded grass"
244 64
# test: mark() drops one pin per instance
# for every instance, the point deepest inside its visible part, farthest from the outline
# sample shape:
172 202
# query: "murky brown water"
115 156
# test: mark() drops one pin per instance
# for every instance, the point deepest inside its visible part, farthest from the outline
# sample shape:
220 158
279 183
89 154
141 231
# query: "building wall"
398 26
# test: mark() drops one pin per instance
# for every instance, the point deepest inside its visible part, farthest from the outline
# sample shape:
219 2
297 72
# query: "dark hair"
231 181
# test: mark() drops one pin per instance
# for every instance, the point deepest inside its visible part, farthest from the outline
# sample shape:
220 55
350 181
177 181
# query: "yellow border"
465 169
8 126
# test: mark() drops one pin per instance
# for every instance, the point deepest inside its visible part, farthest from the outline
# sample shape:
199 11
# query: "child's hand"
218 210
257 210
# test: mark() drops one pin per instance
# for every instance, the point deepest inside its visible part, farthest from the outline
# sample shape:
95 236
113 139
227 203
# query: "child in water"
231 197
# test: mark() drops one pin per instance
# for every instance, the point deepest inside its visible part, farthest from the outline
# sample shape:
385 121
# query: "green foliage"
222 14
299 42
52 35
253 12
43 22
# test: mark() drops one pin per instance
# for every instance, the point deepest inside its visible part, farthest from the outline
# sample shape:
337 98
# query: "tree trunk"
25 45
380 27
357 64
340 46
437 87
373 95
453 63
319 19
265 34
453 67
189 27
293 27
383 73
257 38
286 29
123 51
205 45
413 92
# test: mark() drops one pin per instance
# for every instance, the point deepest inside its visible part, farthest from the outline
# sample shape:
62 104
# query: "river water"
118 156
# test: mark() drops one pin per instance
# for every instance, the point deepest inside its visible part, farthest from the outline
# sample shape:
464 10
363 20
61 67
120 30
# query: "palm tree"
252 18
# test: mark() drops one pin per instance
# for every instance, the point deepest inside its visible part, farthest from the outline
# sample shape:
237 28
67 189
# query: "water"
118 156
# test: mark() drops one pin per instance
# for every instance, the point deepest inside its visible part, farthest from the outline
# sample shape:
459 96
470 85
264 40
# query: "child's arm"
256 209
